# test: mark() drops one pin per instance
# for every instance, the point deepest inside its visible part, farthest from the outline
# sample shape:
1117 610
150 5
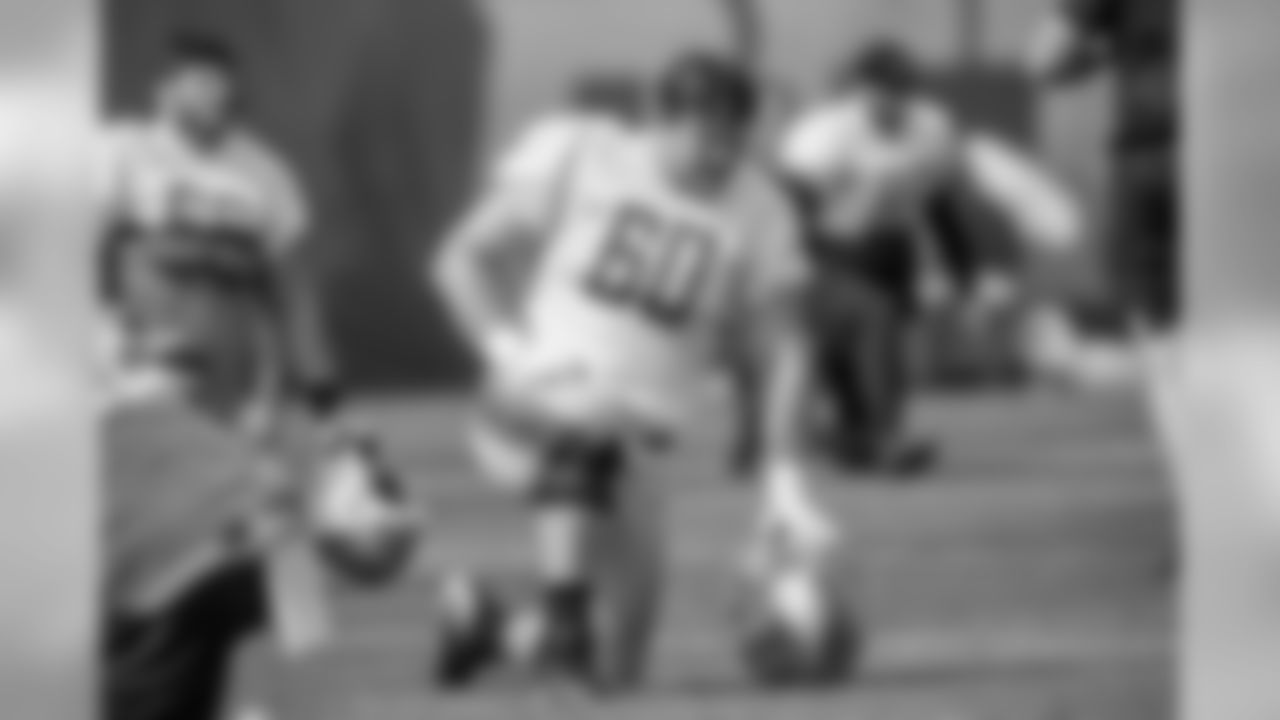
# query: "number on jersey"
656 268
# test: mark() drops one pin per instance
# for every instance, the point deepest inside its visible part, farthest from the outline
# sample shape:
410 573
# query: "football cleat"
799 632
471 632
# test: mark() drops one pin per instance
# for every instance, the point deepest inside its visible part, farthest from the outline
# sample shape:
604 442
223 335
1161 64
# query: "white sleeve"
541 155
288 216
531 179
813 148
1045 213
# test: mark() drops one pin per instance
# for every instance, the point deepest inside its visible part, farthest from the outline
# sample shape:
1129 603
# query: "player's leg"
891 275
837 307
472 635
175 663
566 479
884 374
866 367
631 573
599 525
597 554
573 505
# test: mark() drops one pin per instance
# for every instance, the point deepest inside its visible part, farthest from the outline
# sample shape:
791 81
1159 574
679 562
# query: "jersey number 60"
657 268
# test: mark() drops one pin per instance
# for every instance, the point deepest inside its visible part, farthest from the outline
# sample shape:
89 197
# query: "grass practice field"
1028 580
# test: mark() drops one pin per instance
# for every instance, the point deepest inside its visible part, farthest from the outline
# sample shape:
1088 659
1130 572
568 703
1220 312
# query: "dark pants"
1146 244
176 664
862 310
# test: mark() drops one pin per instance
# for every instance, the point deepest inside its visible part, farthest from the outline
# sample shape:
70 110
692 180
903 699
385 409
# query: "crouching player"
662 257
867 166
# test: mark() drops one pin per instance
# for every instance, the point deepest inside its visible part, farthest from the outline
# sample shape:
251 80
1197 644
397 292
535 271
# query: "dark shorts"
176 664
882 266
1146 244
563 460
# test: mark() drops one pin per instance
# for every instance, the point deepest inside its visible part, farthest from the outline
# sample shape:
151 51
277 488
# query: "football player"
203 219
867 167
663 258
200 267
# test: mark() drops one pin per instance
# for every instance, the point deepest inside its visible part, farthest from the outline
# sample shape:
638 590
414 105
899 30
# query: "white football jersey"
869 179
157 179
638 282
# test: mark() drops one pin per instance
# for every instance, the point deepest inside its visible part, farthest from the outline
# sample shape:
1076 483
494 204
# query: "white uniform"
157 179
161 190
639 283
868 179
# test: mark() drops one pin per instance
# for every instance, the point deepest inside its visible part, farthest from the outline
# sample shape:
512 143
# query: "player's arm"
781 378
462 271
516 208
276 212
285 216
1047 216
1074 42
809 163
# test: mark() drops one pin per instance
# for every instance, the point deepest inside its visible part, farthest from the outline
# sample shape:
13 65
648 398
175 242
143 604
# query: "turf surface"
1027 580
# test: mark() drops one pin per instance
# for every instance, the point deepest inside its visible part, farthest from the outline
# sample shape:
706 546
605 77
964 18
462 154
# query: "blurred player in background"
867 166
665 258
1137 40
207 217
214 335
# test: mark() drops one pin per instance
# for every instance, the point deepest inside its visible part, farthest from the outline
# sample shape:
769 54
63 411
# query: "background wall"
388 107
